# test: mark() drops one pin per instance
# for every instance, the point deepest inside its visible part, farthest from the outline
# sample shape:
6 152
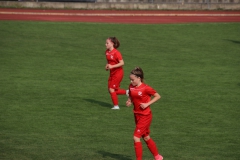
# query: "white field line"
117 14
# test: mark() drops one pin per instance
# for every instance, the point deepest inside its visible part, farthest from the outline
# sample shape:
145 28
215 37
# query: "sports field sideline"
120 16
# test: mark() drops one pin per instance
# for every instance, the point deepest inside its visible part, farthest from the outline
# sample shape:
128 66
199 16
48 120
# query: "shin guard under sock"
152 147
120 91
138 150
114 98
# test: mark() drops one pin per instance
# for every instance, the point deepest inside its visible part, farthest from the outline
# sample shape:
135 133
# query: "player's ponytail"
115 42
137 71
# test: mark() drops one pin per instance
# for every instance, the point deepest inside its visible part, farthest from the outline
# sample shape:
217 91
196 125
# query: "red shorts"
143 123
115 80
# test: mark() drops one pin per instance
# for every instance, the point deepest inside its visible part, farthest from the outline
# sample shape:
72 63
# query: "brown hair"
137 71
115 42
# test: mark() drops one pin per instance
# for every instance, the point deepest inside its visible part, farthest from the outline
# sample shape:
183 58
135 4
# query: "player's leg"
111 88
138 148
136 138
153 148
150 143
114 98
120 91
118 80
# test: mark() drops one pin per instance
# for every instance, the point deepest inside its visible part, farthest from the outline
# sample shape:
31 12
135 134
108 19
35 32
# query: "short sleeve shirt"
141 94
113 57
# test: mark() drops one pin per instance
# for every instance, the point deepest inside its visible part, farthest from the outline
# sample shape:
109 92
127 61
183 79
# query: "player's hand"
143 105
106 67
128 103
110 66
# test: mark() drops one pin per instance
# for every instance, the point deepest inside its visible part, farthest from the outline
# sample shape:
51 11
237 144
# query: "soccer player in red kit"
140 96
115 65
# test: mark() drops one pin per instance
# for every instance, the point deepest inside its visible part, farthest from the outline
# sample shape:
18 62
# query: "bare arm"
120 64
156 97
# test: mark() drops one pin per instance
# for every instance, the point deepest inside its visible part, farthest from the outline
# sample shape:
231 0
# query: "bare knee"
136 139
146 138
111 90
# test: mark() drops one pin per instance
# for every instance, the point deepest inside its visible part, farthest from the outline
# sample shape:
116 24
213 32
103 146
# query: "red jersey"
113 57
141 94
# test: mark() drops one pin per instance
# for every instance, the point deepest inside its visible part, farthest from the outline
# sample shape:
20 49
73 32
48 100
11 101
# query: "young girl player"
140 95
115 65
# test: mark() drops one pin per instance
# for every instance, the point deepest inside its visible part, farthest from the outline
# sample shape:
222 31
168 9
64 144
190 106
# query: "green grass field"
54 103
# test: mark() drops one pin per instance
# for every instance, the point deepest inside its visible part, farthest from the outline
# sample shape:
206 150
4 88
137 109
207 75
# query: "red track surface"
109 16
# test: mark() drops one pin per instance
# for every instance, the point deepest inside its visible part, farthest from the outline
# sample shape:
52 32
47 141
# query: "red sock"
114 98
152 147
120 91
138 150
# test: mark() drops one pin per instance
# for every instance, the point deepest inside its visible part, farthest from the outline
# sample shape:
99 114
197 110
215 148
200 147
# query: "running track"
120 16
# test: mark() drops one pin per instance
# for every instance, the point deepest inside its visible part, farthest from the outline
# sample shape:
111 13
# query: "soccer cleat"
159 157
115 107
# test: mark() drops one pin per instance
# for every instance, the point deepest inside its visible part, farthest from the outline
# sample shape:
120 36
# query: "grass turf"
54 102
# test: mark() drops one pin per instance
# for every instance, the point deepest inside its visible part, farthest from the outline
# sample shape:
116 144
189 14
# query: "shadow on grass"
233 41
113 155
101 103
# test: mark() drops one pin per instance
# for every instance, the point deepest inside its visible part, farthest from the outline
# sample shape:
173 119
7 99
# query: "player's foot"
158 157
115 107
127 93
